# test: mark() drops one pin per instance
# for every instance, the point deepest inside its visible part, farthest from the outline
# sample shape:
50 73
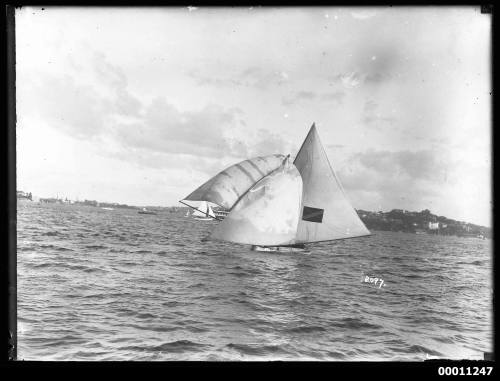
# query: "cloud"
375 78
115 79
299 96
337 146
164 128
77 110
351 80
251 77
370 106
364 14
379 121
267 143
109 113
371 66
418 165
387 179
373 118
435 179
355 79
337 96
84 102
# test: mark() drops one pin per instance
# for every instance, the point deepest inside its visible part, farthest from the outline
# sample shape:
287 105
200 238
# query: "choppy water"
95 284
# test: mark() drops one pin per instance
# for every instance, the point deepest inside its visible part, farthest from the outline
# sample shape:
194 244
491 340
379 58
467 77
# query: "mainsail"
326 212
268 213
226 188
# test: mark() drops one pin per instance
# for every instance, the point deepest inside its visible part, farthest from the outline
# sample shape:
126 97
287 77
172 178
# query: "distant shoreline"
397 220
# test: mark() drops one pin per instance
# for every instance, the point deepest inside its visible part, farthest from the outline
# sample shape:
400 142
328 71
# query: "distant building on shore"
51 200
24 195
433 225
87 202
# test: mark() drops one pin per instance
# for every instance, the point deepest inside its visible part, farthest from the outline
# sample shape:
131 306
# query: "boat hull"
281 249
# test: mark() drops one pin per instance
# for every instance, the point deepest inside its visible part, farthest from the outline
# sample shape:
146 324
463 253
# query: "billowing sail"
268 213
326 212
226 188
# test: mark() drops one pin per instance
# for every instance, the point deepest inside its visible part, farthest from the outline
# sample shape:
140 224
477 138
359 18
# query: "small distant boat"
204 212
145 211
187 213
106 208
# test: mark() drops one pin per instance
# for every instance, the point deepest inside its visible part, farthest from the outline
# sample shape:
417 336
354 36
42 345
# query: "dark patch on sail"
312 214
226 174
256 168
248 174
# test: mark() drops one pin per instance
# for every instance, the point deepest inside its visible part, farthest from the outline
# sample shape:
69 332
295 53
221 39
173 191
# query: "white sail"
201 209
268 213
210 212
326 212
226 188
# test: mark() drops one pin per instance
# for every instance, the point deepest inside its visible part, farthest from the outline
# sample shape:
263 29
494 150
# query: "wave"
68 267
145 316
178 346
354 323
256 349
58 248
95 247
240 274
51 233
306 329
150 295
335 355
423 350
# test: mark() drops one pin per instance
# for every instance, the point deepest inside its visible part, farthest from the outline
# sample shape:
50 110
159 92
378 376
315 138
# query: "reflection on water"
95 284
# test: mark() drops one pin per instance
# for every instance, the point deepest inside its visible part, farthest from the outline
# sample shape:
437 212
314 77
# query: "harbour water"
97 284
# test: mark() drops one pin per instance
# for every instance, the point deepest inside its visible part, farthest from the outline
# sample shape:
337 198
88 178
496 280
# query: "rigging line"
192 207
248 190
337 239
285 163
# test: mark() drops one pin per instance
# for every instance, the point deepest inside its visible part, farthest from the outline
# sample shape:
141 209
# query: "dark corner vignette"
9 189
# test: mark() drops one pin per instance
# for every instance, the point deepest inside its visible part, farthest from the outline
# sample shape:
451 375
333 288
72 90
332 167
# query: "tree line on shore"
421 222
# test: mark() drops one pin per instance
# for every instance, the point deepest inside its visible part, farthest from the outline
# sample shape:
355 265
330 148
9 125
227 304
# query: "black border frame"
8 269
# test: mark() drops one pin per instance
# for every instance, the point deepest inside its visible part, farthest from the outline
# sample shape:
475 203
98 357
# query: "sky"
143 105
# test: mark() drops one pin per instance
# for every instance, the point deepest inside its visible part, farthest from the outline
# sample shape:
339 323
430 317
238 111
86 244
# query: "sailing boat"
204 212
285 206
187 213
146 211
